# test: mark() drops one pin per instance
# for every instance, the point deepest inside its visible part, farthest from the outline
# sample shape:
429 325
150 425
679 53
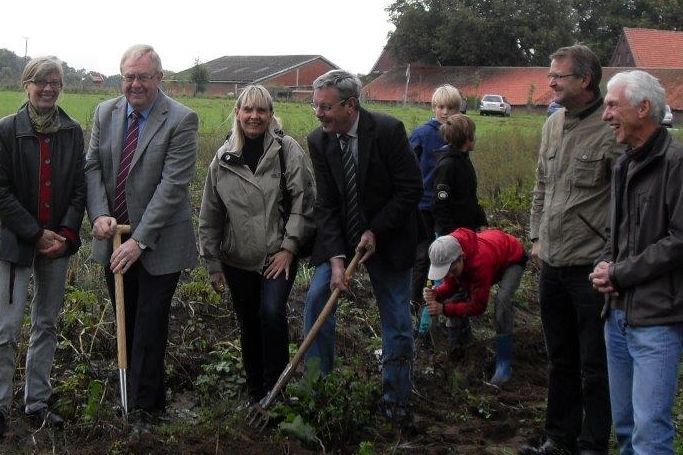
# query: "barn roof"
655 48
520 85
246 69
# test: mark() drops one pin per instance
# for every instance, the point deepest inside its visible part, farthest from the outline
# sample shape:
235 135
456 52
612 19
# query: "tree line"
517 32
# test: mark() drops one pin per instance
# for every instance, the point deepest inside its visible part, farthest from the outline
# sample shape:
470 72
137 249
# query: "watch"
141 245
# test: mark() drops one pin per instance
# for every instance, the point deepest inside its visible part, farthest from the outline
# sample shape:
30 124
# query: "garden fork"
258 416
121 324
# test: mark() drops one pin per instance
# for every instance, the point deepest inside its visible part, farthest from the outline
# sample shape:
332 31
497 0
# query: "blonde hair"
255 96
457 130
40 68
447 95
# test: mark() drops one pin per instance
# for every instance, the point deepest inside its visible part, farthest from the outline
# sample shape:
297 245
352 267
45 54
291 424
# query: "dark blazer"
390 189
157 189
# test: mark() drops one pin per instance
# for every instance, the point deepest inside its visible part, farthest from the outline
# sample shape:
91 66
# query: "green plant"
198 288
223 378
366 448
333 406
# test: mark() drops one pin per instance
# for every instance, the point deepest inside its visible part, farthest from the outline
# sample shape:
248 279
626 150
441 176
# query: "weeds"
317 410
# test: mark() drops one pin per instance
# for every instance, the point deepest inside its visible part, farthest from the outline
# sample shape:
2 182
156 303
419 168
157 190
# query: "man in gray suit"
139 164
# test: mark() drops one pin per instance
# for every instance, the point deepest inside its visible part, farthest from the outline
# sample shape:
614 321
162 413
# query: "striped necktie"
353 218
129 146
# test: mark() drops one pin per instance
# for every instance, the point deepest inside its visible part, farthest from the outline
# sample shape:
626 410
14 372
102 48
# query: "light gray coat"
157 187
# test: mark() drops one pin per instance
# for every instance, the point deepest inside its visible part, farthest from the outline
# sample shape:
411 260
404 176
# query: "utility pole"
25 47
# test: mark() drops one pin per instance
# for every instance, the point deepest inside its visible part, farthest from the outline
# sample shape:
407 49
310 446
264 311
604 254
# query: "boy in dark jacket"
454 197
474 262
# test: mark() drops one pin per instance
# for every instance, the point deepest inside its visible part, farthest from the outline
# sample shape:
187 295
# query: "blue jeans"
643 375
392 291
49 276
507 286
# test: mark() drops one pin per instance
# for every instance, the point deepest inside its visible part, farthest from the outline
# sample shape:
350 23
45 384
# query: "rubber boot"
503 360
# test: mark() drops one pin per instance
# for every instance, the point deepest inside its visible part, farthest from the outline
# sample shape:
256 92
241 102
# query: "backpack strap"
286 197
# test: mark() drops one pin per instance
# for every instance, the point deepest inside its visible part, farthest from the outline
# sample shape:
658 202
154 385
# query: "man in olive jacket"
641 268
568 220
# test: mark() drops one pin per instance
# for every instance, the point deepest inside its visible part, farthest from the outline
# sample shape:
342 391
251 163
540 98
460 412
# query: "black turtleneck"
252 151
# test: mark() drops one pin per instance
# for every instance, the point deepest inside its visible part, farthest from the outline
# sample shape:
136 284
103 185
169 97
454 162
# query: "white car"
495 105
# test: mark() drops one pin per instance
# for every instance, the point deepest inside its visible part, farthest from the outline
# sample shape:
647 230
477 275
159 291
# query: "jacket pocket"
642 200
228 244
589 169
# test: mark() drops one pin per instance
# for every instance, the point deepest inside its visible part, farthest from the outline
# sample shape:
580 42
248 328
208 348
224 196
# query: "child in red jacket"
474 262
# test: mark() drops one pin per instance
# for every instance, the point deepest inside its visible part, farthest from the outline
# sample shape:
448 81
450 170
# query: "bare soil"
455 410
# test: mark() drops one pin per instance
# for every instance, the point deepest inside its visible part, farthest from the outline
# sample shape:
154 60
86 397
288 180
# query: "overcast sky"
94 34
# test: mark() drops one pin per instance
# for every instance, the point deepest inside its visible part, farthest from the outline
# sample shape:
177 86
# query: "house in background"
385 62
648 48
522 86
287 76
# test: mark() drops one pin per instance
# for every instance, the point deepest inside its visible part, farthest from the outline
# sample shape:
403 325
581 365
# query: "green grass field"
505 154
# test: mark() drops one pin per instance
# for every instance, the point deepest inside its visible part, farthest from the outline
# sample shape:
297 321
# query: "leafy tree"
517 32
200 76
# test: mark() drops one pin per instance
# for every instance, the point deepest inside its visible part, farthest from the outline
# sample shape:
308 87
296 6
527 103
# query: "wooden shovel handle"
120 303
312 334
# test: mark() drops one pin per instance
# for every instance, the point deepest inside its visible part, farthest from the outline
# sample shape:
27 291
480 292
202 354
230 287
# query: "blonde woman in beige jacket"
253 224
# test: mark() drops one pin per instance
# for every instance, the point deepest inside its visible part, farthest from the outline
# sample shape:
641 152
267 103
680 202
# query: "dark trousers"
419 274
147 302
261 307
578 409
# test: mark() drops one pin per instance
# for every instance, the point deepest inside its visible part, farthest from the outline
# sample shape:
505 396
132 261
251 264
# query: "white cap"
443 252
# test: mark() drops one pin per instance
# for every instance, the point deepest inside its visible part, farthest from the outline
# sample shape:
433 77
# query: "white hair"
640 86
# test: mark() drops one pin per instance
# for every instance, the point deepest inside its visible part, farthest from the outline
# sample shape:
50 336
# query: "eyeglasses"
327 107
42 83
130 78
554 77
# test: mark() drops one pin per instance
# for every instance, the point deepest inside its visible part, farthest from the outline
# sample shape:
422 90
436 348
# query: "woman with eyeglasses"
42 200
255 219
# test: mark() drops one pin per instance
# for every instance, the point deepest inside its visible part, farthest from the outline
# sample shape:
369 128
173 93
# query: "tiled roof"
246 69
655 48
384 62
520 85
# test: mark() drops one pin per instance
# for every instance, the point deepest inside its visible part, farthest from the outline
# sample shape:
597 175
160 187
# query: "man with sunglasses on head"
368 187
568 221
138 168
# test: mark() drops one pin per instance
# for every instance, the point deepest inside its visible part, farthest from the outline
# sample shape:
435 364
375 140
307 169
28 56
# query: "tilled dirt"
455 410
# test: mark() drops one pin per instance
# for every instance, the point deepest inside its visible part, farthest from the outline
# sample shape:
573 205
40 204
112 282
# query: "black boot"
549 447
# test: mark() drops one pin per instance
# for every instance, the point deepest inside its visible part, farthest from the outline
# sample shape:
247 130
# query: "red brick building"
287 76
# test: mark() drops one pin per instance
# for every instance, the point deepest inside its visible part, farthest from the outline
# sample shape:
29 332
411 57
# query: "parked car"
668 119
496 105
554 106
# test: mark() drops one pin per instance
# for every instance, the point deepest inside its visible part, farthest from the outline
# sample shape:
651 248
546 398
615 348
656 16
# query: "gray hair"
40 68
348 85
137 51
584 61
255 96
640 86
